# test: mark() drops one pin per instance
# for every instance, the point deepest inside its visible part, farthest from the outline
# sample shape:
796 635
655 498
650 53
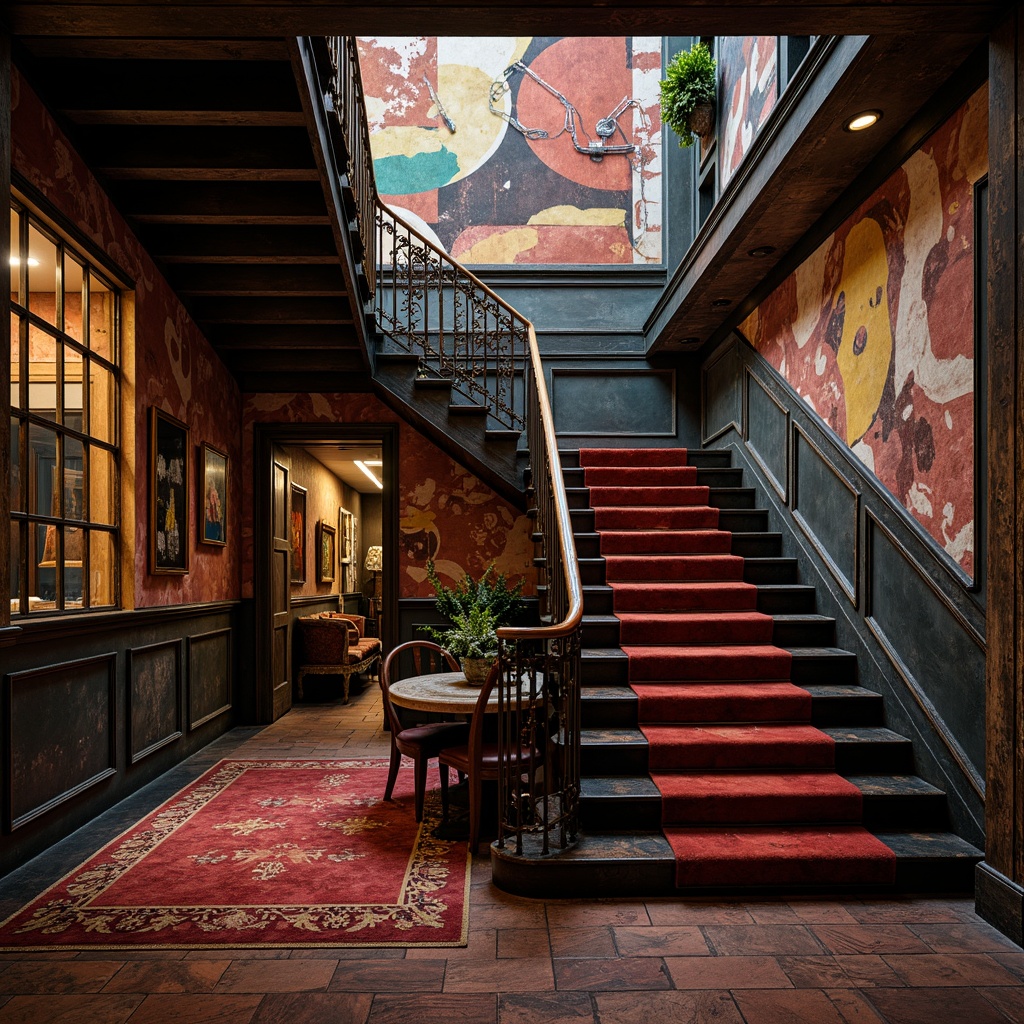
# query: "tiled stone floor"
836 961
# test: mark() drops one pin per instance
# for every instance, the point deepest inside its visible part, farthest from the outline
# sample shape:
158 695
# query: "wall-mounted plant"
688 94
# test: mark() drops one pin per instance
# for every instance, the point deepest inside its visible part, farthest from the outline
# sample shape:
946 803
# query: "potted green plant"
475 609
688 94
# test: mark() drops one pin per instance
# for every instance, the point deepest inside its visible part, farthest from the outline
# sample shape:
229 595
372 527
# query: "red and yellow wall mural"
174 368
487 193
445 512
876 330
748 84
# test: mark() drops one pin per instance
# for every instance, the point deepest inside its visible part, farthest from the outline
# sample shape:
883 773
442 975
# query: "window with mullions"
65 443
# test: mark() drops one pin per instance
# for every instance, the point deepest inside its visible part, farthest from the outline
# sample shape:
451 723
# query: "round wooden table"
445 692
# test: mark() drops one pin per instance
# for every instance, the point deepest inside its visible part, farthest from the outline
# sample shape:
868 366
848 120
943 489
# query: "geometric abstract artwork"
472 145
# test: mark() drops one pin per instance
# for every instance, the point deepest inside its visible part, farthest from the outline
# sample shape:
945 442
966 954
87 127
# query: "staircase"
744 755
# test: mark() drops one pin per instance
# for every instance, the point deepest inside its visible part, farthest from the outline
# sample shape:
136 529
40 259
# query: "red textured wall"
175 367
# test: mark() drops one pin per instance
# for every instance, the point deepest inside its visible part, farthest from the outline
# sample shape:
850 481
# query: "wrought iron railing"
426 303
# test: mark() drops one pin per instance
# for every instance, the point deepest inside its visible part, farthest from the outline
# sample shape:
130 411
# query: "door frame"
265 436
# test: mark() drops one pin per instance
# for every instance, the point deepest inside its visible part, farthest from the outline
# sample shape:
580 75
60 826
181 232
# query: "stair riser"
658 518
795 601
666 542
598 601
659 598
875 758
694 629
837 670
918 813
743 520
608 714
804 634
600 634
720 477
723 568
846 711
613 759
759 811
767 545
597 671
588 545
771 570
618 814
628 457
631 476
732 497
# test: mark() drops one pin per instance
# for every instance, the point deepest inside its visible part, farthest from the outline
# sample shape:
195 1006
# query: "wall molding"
781 487
132 655
192 642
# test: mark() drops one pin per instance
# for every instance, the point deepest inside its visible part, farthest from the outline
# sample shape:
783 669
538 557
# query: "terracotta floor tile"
677 1007
528 916
933 969
546 1008
868 938
255 953
525 975
868 970
595 913
611 975
134 954
770 939
314 1008
481 945
277 975
697 913
197 1009
803 1006
903 911
1013 962
389 975
853 1006
1006 999
726 972
933 1006
578 943
682 940
821 912
523 942
88 1009
350 953
442 1009
152 976
815 972
46 954
53 978
964 938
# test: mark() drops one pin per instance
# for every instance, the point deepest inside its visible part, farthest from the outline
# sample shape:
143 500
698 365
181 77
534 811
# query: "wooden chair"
420 742
331 646
478 758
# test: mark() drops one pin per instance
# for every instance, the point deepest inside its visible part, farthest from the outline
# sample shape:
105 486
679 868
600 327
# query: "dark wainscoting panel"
924 648
604 402
209 676
722 405
826 507
155 687
766 432
61 722
915 622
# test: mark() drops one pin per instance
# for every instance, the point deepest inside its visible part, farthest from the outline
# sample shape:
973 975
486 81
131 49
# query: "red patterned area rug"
265 853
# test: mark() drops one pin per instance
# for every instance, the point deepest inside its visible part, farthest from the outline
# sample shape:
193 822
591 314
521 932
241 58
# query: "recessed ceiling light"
32 261
762 250
720 303
365 468
865 119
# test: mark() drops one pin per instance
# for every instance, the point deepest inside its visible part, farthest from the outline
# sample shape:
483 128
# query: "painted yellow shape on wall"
573 215
502 247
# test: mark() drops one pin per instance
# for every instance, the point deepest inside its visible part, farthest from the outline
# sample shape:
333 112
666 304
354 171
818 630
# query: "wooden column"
5 333
999 892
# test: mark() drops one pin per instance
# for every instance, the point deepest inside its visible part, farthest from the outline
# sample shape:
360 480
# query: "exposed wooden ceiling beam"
271 337
284 281
539 17
262 244
129 47
271 310
223 202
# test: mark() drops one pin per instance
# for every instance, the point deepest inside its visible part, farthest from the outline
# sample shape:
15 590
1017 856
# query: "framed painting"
213 482
326 552
298 532
168 493
345 535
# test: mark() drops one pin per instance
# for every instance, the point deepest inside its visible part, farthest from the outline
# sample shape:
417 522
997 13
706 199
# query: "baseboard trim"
1000 901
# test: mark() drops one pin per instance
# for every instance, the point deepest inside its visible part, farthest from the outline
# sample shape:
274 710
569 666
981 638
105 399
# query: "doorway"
325 496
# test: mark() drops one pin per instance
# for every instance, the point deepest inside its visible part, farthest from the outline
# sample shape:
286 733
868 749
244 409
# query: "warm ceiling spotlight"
762 250
32 261
721 303
364 467
865 119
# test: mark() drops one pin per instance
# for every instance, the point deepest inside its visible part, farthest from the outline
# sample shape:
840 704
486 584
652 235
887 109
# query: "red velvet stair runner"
749 791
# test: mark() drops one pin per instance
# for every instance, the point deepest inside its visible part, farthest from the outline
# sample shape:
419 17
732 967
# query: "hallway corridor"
832 961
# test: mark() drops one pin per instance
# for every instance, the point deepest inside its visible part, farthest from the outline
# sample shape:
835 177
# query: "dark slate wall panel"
155 686
723 399
209 675
933 649
61 740
609 402
826 507
767 433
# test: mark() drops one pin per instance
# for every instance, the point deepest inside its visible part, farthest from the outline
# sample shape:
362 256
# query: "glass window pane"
102 487
16 257
101 317
15 568
102 406
74 499
43 558
74 287
74 540
73 408
15 360
42 453
42 373
42 275
102 569
17 491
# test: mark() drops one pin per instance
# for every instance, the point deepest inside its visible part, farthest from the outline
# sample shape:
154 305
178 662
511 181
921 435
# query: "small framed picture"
326 552
298 533
168 493
345 520
213 478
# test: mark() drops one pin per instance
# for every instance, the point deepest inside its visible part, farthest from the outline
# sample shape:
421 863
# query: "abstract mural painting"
876 330
473 145
748 87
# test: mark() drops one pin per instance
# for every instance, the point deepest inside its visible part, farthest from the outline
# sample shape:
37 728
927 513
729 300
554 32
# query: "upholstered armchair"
332 645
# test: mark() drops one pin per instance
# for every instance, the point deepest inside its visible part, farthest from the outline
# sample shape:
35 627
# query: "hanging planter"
688 94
